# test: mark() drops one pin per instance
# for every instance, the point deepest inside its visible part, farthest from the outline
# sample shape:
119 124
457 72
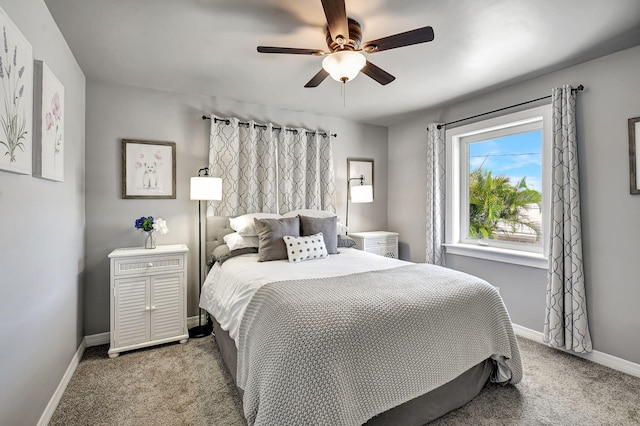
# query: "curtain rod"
262 126
580 88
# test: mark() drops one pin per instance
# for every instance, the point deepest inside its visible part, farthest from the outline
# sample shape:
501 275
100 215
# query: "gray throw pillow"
236 252
345 241
218 252
271 246
327 225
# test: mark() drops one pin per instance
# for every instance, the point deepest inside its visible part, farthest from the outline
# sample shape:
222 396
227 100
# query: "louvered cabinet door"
131 311
148 297
167 307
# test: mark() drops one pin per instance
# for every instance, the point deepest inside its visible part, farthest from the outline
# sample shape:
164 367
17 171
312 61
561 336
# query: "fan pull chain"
344 93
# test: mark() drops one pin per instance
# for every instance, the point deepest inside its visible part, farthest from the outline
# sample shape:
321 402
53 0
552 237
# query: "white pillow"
244 224
310 213
236 241
342 230
300 249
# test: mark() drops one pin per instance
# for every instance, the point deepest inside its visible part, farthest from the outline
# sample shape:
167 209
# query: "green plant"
144 224
496 206
149 224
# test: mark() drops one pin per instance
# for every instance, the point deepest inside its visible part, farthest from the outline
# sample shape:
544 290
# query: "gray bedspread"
338 351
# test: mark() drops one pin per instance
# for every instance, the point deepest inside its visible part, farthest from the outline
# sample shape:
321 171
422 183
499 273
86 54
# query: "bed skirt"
417 411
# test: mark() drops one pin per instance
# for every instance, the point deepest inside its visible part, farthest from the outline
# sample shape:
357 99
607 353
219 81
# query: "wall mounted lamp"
358 194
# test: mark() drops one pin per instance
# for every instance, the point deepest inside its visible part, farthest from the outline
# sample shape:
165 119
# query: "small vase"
150 241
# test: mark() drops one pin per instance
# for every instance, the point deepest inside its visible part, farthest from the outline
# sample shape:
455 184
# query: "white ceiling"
208 47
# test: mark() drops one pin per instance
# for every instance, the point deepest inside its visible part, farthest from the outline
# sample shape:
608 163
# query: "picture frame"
357 167
48 124
634 146
148 169
16 93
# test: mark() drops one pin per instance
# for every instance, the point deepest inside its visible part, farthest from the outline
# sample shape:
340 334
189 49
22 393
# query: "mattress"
230 289
418 411
227 291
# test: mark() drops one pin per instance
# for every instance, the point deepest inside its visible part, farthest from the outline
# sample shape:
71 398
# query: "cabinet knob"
146 308
153 308
150 264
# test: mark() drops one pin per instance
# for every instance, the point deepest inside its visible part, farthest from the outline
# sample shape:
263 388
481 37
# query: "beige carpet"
187 385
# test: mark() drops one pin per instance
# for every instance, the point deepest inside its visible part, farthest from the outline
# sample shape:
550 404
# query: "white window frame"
456 229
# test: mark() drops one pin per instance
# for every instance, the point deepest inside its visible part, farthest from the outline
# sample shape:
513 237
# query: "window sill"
533 260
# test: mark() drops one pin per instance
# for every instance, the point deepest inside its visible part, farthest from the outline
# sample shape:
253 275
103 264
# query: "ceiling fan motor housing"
354 42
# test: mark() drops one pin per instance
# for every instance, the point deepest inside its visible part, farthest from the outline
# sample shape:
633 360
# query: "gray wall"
115 112
610 214
42 244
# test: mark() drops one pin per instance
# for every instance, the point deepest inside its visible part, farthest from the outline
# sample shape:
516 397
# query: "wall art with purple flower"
48 124
16 98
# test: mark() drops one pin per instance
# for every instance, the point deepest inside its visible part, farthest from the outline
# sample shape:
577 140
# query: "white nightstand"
148 297
383 243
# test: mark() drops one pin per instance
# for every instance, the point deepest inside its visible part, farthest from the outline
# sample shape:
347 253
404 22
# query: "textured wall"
610 214
42 244
115 112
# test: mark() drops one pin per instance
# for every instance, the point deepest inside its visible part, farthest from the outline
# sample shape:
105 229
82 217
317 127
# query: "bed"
354 338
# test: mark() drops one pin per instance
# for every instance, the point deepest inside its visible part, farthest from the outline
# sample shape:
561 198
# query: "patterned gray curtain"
244 156
436 190
269 170
566 324
306 178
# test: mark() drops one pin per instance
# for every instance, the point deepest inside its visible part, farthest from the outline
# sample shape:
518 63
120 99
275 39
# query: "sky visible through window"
514 156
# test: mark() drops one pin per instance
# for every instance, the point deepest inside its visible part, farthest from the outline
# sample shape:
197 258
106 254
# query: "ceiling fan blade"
420 35
377 73
317 79
290 50
336 14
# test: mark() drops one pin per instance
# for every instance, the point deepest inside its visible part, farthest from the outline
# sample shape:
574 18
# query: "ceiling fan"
344 60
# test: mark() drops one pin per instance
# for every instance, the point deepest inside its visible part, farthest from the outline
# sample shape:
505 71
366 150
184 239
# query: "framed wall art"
148 169
48 124
634 146
357 167
16 98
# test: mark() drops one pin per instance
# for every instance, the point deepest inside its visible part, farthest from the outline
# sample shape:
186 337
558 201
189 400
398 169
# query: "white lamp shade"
344 65
206 188
362 194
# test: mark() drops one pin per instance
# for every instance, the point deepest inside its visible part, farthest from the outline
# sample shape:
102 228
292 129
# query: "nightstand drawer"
382 241
150 264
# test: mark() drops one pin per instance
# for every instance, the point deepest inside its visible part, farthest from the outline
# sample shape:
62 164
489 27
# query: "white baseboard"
104 338
57 395
536 336
193 321
98 339
598 357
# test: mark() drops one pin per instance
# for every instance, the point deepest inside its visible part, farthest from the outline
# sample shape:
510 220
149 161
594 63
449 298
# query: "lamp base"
200 331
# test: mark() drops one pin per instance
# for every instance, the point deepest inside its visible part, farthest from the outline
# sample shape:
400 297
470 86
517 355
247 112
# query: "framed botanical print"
48 124
148 169
16 94
634 146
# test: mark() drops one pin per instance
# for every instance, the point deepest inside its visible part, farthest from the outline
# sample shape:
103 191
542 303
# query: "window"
498 188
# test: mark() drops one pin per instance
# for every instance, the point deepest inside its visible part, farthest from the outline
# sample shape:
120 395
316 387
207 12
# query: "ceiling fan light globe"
344 65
